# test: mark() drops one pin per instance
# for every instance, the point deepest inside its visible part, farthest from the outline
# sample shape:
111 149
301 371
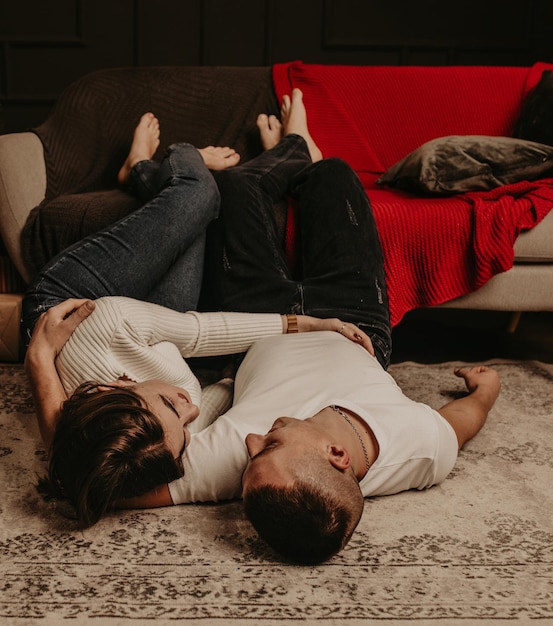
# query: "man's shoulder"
213 464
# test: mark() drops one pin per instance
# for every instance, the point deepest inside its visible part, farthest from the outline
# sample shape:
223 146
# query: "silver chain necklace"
340 412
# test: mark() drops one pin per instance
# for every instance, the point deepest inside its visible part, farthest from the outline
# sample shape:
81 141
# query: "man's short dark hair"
303 523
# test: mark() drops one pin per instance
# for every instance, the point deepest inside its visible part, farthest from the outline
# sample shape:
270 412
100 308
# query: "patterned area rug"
478 548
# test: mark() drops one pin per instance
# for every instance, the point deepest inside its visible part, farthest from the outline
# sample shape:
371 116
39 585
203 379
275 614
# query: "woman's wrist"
291 323
35 358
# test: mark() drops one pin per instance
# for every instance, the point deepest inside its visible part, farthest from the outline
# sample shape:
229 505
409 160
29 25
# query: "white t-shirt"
297 376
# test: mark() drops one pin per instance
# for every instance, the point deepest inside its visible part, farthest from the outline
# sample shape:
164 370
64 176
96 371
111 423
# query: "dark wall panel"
234 32
46 45
26 21
471 24
169 32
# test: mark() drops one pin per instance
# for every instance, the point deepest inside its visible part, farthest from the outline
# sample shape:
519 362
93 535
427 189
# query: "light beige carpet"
476 549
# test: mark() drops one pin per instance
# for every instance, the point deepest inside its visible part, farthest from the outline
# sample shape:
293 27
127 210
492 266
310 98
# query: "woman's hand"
54 327
307 324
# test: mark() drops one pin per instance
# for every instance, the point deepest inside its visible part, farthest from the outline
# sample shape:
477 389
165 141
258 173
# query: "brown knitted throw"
88 135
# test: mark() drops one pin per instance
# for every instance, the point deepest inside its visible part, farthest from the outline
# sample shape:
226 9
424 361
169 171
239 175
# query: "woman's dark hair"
107 446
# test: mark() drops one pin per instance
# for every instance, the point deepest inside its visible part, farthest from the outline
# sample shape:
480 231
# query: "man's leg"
132 256
343 272
342 263
253 274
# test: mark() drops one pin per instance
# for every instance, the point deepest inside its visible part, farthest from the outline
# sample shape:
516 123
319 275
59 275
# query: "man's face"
272 455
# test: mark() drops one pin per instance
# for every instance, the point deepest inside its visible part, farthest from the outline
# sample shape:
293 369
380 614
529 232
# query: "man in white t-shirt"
376 441
323 423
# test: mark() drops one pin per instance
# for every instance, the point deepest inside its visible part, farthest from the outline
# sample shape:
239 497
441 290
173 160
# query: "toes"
262 120
147 119
274 122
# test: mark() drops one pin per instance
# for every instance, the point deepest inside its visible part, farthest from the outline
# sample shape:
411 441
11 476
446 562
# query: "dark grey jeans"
341 270
155 254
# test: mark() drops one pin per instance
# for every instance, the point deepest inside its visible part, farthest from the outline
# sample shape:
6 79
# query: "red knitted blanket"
435 249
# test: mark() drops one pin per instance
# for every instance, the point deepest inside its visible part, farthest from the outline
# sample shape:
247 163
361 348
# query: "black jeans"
341 263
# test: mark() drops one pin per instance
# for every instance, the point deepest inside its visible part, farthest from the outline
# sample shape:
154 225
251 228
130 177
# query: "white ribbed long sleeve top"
144 341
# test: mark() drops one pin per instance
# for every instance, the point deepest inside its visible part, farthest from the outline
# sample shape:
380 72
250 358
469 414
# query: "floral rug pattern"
478 547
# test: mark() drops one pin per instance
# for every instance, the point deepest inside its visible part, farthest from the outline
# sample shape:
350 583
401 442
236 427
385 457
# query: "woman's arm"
467 415
51 332
217 333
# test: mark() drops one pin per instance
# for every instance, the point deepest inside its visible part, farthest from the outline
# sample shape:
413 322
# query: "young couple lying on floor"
315 424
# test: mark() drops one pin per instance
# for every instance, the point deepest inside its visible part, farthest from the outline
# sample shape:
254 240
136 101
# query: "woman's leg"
342 263
133 255
180 286
143 180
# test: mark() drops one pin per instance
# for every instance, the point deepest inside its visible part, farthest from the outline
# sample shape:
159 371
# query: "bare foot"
270 130
218 158
294 120
144 144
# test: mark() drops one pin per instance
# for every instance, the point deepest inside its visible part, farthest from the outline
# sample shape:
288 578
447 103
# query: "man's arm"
467 415
51 332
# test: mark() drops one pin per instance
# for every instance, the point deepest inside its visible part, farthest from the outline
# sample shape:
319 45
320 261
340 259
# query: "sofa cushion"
462 163
535 121
536 245
22 186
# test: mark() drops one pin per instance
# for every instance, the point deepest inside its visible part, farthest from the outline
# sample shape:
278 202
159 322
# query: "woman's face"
173 407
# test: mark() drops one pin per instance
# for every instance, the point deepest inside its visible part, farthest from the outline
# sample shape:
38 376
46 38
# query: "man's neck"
353 433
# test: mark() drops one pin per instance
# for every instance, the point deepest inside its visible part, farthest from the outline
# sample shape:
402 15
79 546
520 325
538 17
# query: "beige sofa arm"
22 187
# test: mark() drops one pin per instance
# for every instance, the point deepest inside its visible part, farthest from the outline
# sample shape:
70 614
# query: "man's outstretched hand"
480 377
467 415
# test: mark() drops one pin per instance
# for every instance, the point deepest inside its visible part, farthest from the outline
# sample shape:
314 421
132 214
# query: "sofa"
481 247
